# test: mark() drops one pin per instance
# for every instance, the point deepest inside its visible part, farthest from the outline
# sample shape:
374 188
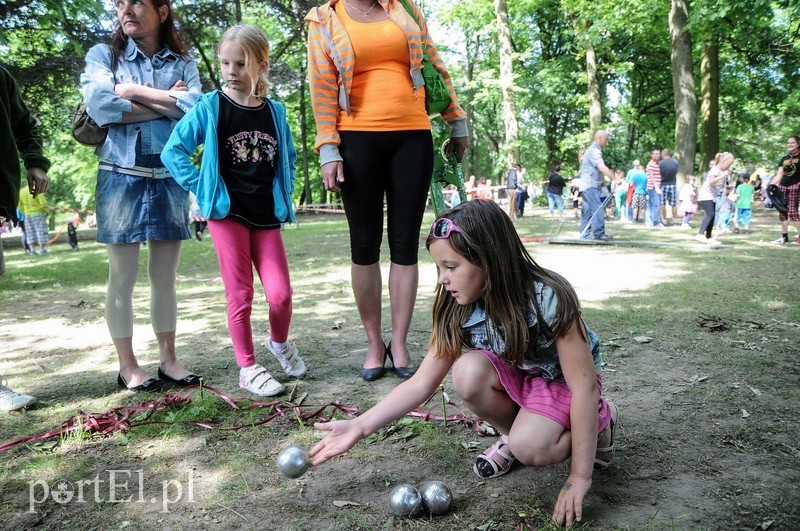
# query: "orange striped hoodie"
330 69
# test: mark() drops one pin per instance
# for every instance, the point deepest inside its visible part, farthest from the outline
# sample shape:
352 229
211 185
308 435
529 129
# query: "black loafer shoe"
187 381
151 384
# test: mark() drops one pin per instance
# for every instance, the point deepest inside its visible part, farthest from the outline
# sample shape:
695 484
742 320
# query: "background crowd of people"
652 195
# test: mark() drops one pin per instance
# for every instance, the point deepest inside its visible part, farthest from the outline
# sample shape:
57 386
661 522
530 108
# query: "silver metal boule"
405 500
436 496
293 461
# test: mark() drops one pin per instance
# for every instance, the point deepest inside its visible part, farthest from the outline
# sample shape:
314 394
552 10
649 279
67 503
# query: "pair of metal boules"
433 496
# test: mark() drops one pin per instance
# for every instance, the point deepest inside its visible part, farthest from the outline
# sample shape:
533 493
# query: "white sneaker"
293 365
12 401
257 380
701 238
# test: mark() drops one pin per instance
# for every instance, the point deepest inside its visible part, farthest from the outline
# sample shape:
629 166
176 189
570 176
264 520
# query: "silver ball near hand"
293 461
436 496
405 501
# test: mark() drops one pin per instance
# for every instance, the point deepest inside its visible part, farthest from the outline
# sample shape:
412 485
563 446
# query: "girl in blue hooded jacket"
244 189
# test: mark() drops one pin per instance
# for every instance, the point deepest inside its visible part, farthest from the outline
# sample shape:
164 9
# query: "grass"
683 392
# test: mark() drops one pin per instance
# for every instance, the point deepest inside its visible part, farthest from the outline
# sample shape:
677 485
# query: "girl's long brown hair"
489 240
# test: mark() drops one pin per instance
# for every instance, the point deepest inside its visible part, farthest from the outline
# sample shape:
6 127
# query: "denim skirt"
134 209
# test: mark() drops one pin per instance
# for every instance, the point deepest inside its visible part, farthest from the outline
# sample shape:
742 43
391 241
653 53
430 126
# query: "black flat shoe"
375 373
187 381
151 384
403 372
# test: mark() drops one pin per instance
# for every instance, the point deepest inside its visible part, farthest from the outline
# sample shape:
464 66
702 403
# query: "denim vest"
546 363
161 71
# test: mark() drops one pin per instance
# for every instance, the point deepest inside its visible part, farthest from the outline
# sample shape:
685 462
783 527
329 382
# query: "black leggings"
707 225
398 164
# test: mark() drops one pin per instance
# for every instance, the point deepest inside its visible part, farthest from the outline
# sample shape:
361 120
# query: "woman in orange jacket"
374 141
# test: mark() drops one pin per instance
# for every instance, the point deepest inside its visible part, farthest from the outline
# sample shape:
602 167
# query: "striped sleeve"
324 83
653 174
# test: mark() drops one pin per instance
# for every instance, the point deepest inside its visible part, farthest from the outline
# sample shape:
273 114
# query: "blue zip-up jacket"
199 126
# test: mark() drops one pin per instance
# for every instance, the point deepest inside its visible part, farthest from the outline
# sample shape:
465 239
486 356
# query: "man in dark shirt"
18 136
669 176
511 189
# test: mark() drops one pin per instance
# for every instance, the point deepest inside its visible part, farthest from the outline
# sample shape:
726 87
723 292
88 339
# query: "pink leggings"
237 247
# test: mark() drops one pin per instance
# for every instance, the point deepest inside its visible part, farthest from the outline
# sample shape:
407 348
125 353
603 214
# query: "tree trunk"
683 88
507 82
593 82
472 162
306 197
709 107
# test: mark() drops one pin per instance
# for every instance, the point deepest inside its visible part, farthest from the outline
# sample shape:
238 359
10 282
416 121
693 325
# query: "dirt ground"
709 436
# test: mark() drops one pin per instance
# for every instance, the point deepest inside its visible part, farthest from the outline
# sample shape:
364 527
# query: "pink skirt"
542 396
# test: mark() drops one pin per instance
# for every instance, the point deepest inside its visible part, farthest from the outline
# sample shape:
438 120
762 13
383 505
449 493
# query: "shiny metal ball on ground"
436 496
405 500
293 461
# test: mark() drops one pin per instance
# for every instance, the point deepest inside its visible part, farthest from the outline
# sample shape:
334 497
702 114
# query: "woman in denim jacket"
138 87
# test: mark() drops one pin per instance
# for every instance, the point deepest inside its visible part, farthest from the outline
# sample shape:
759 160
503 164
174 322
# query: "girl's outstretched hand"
569 505
342 435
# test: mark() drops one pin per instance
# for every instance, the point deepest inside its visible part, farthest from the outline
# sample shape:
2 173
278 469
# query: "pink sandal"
494 462
603 456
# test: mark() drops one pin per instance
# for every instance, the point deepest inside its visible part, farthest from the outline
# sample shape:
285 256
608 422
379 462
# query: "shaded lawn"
710 437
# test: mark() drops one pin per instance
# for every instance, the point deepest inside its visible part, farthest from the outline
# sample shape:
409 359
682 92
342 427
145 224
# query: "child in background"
620 190
639 182
244 190
744 203
35 210
484 190
532 369
575 195
471 188
24 238
72 235
725 206
196 218
688 200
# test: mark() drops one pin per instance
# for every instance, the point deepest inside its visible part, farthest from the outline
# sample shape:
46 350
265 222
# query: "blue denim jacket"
106 108
546 362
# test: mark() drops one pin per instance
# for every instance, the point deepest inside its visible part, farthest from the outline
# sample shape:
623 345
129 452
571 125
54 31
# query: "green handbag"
437 97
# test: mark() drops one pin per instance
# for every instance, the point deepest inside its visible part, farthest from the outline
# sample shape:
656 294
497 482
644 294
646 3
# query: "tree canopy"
570 66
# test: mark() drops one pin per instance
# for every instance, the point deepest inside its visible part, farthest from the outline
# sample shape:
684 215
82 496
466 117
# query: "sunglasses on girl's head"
442 228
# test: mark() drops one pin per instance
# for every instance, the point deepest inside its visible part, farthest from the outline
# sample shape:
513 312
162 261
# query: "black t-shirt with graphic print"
791 172
248 153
